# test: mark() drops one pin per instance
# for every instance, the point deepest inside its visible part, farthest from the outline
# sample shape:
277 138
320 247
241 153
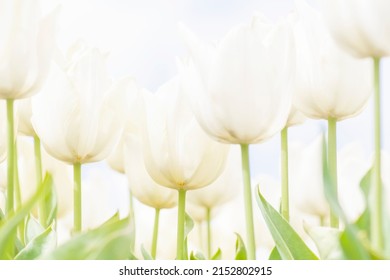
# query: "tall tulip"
362 28
178 154
240 89
25 52
330 84
142 185
79 115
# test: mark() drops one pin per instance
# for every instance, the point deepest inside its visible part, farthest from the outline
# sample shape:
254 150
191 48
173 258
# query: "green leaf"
188 226
145 253
327 242
365 184
131 256
217 255
197 256
1 215
32 229
110 241
8 226
354 241
43 242
50 201
240 249
288 242
275 256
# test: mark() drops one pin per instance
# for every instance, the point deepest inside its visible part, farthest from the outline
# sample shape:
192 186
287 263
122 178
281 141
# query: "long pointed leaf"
9 225
290 246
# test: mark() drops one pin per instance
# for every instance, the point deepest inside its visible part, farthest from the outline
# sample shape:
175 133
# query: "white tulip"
26 46
240 89
79 115
329 82
178 154
361 27
141 184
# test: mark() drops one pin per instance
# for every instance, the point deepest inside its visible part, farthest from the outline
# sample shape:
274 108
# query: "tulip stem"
38 174
332 162
77 198
155 233
11 157
180 225
208 217
285 208
18 194
377 204
251 248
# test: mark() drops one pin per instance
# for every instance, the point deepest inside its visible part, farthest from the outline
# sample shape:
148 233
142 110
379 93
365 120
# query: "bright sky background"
143 41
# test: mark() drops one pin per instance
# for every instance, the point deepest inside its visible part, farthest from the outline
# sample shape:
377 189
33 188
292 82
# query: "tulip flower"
330 84
27 41
142 187
223 190
362 28
240 89
178 154
79 115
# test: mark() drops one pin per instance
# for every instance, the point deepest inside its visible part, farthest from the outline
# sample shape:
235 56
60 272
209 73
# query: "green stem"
285 208
209 240
377 204
248 203
18 197
77 198
18 194
11 156
38 174
155 233
180 225
332 162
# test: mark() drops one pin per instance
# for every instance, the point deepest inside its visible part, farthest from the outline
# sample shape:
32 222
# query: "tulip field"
101 166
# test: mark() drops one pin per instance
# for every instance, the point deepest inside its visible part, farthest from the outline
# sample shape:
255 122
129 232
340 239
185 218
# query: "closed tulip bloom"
240 89
26 46
329 82
79 115
361 27
141 184
178 154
